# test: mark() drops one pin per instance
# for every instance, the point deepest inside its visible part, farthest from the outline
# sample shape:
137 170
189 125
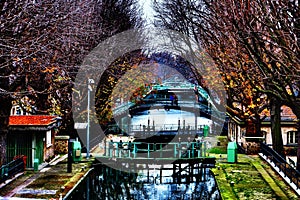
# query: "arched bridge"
186 99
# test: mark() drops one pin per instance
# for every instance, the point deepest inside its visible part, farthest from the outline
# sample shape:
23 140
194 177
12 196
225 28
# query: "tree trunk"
296 111
276 126
295 106
298 149
5 103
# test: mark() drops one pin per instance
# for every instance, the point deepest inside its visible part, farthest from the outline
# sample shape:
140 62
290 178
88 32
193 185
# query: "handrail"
12 168
282 164
189 150
162 127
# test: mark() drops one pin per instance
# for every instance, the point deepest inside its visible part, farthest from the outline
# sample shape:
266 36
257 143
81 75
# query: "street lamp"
90 81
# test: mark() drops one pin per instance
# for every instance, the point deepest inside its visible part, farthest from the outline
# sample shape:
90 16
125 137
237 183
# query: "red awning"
31 120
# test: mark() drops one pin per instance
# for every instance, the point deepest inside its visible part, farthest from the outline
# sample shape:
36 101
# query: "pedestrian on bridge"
175 100
111 149
172 99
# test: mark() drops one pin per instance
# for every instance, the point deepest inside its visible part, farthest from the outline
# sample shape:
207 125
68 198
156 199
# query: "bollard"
36 164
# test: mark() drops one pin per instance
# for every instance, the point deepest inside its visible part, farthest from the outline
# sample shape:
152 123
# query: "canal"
181 179
103 183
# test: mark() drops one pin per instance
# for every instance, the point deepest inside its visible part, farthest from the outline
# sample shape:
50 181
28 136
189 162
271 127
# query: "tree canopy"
43 42
255 45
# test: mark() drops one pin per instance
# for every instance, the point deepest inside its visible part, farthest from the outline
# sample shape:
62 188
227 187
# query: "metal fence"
12 168
157 129
157 150
282 164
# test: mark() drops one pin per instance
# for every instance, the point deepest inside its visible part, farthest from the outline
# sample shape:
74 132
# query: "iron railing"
155 128
282 164
157 150
12 168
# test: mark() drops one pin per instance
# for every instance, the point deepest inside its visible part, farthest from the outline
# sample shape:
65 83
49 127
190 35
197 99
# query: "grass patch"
247 182
280 182
218 150
243 181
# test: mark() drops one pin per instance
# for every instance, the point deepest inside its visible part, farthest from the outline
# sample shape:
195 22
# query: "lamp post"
90 81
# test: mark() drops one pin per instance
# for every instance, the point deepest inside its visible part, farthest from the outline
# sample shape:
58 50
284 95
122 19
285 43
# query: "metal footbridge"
130 151
186 97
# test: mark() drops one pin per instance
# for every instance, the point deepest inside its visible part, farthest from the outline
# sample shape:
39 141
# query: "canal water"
147 182
105 183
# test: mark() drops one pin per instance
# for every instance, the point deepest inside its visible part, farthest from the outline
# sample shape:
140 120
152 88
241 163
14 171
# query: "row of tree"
42 43
255 45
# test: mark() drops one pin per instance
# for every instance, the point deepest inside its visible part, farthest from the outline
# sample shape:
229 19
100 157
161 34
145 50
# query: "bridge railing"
166 102
131 108
122 108
155 150
165 127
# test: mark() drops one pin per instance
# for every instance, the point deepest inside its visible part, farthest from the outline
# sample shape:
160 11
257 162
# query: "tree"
268 33
42 44
189 17
256 47
121 81
179 16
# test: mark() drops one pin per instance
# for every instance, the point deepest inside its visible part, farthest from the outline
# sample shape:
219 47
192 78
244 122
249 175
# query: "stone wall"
252 148
61 144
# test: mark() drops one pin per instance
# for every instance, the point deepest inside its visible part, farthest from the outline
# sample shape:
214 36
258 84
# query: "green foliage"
218 150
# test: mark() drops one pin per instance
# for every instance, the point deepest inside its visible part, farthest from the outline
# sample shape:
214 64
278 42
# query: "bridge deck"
199 109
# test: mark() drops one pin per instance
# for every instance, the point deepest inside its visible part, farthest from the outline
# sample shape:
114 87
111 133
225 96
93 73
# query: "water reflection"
153 184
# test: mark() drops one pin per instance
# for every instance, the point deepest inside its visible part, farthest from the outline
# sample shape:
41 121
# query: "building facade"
32 136
241 131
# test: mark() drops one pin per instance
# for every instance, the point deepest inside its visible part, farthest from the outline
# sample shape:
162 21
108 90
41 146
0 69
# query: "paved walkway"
21 186
50 182
270 181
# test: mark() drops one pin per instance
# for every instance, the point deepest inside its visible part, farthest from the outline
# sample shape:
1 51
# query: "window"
292 137
48 138
18 110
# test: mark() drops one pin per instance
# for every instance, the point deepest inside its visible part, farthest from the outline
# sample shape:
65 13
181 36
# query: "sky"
147 9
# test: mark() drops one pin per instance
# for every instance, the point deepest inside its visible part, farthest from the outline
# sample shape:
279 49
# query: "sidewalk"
51 182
